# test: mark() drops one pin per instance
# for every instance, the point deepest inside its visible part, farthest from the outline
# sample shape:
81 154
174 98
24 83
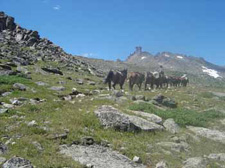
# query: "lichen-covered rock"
20 86
171 126
17 162
111 117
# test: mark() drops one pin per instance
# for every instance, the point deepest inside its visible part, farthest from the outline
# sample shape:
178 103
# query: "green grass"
9 80
182 117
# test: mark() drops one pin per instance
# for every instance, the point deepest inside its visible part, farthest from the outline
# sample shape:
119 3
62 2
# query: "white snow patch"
143 58
210 72
180 57
166 55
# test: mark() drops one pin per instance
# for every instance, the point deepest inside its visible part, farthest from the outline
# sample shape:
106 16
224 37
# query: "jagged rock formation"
25 47
175 62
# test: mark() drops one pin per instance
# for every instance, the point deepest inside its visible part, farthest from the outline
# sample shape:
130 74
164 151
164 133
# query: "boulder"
171 126
148 116
165 101
20 86
17 162
196 162
161 164
2 160
3 110
208 133
111 117
137 159
98 156
52 70
176 147
217 157
3 148
57 88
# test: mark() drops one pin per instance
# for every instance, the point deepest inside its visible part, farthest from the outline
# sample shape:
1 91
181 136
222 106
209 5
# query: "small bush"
182 117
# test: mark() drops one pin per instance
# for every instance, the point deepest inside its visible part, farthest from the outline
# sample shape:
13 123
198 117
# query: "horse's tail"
109 77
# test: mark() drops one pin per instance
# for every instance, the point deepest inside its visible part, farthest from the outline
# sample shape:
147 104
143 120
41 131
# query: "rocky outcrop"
98 156
208 133
111 117
148 116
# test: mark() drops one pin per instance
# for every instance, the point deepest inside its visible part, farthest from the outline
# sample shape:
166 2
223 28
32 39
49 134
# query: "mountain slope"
176 62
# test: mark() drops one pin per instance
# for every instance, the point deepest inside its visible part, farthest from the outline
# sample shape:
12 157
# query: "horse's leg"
114 85
109 84
121 86
130 84
140 86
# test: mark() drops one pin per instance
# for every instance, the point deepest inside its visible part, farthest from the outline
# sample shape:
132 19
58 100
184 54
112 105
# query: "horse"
149 79
118 77
184 80
135 78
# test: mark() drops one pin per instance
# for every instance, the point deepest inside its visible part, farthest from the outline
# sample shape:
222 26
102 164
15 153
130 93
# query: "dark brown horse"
118 77
149 79
136 78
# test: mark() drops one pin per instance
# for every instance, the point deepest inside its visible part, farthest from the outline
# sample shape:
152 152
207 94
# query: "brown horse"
118 77
135 78
149 79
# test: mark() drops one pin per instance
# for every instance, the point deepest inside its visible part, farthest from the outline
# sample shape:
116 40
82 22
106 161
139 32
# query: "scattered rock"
171 126
38 146
91 83
87 141
137 159
57 88
2 111
196 162
165 101
58 136
2 160
80 82
17 162
111 117
20 86
7 105
117 93
177 147
3 148
39 83
53 70
6 94
161 164
32 123
208 133
217 156
98 156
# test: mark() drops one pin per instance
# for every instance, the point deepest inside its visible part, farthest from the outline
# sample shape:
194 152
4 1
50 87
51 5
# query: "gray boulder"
20 86
2 111
161 164
98 156
165 101
111 117
208 133
2 160
148 116
196 162
17 162
57 88
217 157
3 148
171 126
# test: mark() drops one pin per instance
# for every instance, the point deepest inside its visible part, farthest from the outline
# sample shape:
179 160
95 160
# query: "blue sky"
111 29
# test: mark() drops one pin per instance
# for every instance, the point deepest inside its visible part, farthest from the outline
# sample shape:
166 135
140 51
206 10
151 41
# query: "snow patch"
180 57
143 58
166 55
210 72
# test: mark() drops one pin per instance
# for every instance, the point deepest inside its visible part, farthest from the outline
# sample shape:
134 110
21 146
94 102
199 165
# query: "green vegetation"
182 117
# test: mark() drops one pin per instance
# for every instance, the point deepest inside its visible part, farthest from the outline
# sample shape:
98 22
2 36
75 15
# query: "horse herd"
153 79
